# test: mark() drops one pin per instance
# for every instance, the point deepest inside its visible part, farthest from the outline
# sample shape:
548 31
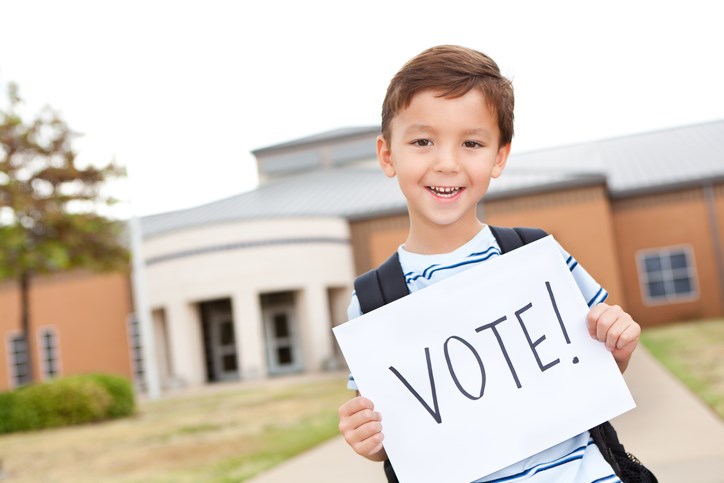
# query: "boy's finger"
368 430
355 405
630 335
593 315
606 321
613 334
622 332
369 445
360 418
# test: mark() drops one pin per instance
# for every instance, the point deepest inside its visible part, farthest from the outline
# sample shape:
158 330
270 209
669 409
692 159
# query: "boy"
447 127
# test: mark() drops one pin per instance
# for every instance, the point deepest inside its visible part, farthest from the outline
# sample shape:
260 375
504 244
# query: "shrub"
65 401
123 400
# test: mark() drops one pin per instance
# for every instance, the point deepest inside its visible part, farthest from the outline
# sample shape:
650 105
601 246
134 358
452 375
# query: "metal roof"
641 163
629 165
346 192
342 192
333 135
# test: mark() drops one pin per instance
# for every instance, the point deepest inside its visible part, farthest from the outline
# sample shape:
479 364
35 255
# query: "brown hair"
454 70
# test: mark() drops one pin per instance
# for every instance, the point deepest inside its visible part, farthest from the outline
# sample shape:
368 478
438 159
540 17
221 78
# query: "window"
49 358
134 334
667 274
18 355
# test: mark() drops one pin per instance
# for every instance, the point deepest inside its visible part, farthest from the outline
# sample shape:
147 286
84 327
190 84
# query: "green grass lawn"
694 353
222 434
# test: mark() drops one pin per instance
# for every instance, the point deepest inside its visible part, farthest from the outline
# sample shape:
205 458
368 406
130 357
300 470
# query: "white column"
142 310
249 330
160 338
186 344
316 328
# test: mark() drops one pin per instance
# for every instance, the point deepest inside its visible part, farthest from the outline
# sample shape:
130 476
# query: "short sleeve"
593 293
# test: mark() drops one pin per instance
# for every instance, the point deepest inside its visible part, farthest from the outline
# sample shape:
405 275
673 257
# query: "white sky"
181 91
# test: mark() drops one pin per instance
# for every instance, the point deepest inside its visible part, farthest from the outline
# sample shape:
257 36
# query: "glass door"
281 341
223 347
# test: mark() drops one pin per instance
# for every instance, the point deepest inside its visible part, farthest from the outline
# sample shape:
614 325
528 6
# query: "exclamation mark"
560 320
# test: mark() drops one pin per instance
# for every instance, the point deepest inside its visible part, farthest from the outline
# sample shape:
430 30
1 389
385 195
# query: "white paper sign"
485 368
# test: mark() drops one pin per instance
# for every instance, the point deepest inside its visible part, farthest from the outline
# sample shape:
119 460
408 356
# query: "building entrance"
280 331
219 341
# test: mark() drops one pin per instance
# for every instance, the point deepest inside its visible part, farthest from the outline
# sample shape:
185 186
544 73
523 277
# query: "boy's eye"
472 144
422 142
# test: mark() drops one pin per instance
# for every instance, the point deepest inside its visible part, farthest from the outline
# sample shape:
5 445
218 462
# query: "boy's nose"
446 161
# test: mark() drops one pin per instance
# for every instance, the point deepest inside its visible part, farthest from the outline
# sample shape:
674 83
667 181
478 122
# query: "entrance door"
280 330
222 345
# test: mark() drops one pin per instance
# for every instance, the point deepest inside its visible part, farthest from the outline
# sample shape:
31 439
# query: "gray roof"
335 134
346 192
325 192
630 165
641 163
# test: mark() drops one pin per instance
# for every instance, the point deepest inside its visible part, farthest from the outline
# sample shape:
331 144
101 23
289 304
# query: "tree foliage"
50 217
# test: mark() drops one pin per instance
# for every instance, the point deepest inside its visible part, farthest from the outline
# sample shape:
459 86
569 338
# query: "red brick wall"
88 312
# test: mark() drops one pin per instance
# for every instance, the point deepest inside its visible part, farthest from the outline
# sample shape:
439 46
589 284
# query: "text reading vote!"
519 318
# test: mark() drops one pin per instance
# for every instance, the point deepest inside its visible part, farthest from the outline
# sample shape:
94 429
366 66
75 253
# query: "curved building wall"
278 278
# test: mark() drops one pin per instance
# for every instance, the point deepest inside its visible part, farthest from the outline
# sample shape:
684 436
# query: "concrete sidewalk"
671 431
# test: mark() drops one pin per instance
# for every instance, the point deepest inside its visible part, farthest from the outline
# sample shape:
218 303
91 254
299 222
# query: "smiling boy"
447 127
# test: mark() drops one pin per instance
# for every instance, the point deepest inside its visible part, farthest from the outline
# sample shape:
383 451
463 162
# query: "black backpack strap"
381 285
511 238
624 464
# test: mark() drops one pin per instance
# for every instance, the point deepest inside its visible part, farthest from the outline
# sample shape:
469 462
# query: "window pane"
49 353
229 362
657 289
281 326
227 333
678 260
18 344
652 263
682 286
19 361
284 355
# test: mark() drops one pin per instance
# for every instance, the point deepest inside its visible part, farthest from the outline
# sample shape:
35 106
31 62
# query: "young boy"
447 126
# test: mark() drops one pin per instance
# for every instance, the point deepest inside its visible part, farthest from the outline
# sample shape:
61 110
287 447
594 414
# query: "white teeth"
444 191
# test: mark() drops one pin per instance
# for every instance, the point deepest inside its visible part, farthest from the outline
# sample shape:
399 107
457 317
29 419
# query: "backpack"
386 284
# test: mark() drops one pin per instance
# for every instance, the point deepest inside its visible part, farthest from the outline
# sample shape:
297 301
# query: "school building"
250 286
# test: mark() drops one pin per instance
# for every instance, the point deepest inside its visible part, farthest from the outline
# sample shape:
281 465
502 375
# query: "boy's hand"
610 324
360 425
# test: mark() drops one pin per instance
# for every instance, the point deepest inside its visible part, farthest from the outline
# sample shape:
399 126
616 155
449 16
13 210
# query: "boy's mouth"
444 191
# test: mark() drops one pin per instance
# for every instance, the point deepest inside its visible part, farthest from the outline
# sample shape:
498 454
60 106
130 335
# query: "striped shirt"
575 460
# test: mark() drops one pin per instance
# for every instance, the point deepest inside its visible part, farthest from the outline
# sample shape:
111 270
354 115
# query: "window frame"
13 381
668 274
135 349
42 352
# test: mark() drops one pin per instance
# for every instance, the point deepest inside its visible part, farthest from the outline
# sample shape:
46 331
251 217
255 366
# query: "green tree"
49 206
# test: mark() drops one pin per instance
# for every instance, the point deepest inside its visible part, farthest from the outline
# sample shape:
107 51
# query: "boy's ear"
384 156
500 160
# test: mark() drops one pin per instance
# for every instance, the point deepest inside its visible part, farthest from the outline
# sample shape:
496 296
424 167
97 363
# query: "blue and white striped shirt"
575 460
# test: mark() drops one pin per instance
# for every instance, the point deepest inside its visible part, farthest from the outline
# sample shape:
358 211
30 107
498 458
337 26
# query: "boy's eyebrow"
428 128
420 127
478 131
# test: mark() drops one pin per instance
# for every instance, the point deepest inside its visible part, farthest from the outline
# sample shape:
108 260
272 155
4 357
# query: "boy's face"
444 153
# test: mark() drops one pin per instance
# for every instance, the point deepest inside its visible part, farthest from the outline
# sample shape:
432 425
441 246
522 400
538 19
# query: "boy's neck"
431 240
